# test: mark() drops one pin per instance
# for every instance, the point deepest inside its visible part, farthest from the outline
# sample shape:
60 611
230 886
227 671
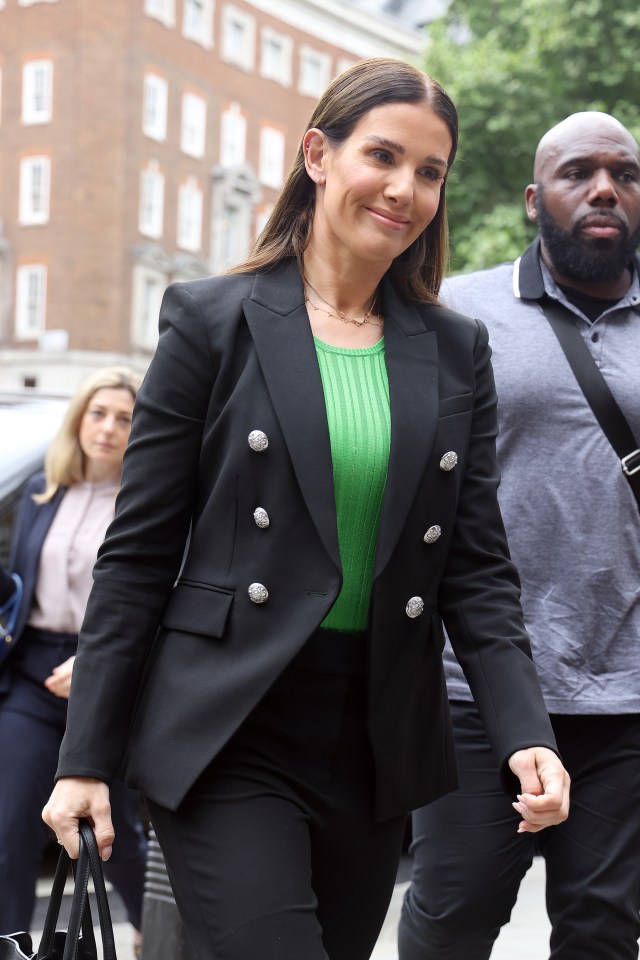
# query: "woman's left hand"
544 785
59 683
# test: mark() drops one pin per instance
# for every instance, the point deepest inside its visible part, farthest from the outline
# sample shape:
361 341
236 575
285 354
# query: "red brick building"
143 141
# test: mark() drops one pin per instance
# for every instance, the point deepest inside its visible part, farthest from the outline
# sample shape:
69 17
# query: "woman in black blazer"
309 492
63 516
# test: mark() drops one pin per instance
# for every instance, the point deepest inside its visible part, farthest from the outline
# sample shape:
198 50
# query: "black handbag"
78 941
599 397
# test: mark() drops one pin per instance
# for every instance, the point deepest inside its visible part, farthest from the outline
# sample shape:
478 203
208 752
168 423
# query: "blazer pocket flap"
460 404
198 608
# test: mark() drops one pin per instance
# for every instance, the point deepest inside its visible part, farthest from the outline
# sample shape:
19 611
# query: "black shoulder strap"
594 386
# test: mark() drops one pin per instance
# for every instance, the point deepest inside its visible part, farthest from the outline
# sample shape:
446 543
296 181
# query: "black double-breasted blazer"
174 653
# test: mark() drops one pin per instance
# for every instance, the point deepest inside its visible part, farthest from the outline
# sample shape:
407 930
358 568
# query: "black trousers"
274 853
32 723
469 859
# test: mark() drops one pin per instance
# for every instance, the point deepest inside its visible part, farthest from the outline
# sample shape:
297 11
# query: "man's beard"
573 256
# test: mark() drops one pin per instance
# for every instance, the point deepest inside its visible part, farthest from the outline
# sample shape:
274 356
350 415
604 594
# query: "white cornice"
358 32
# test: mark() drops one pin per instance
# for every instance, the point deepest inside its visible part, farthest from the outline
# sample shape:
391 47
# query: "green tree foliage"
514 68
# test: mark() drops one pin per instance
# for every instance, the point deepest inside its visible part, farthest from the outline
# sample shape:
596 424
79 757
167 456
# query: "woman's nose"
109 424
399 187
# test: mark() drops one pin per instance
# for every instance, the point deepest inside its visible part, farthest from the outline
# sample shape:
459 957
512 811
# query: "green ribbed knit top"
356 391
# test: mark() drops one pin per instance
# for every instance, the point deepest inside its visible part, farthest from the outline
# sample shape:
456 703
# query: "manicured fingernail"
106 853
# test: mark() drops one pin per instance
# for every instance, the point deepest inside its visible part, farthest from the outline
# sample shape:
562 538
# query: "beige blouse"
68 554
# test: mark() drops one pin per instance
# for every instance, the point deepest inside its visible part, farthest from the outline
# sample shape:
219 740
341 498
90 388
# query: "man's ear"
530 194
314 148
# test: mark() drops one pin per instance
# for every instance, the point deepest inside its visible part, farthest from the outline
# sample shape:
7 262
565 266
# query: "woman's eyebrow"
398 148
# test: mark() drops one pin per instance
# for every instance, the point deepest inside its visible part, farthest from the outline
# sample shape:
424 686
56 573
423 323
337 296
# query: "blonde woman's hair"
64 463
370 83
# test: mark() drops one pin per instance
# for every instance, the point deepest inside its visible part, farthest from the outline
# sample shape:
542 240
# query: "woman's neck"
344 307
95 472
349 288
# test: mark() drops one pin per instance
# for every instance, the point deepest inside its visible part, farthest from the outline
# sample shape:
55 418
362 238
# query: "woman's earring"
321 181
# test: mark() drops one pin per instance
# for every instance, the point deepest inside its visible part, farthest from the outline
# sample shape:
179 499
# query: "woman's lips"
389 220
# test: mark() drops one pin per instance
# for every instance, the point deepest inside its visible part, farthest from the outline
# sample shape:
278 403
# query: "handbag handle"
88 864
91 865
100 892
46 948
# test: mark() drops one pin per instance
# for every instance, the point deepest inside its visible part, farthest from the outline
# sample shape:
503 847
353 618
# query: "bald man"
574 532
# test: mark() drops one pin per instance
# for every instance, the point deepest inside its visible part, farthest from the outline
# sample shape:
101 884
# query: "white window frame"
28 3
35 190
147 289
307 86
155 100
193 125
234 197
243 55
233 235
282 72
271 166
233 136
151 208
162 10
200 33
33 112
30 316
190 205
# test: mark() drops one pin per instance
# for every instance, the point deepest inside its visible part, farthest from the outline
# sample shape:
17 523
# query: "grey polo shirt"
571 518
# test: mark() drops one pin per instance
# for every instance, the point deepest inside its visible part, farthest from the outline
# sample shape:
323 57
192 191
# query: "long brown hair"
418 272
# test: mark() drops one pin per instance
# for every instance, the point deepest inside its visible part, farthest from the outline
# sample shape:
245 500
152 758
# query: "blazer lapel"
33 526
411 355
31 533
278 321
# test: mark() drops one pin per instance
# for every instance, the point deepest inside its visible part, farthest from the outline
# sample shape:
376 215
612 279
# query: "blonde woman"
64 515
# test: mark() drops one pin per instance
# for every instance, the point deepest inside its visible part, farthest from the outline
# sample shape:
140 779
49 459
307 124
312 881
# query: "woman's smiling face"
380 188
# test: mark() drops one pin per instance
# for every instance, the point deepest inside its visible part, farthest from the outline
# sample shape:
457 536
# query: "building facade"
142 142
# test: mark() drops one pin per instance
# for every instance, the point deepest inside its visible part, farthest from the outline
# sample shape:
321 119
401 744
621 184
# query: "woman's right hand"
75 797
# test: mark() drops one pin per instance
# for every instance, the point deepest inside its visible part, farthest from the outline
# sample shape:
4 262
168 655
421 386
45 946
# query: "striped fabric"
356 391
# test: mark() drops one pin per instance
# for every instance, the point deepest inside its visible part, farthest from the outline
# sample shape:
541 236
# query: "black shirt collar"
528 282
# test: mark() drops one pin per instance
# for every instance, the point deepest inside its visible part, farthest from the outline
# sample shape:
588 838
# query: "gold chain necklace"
339 315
